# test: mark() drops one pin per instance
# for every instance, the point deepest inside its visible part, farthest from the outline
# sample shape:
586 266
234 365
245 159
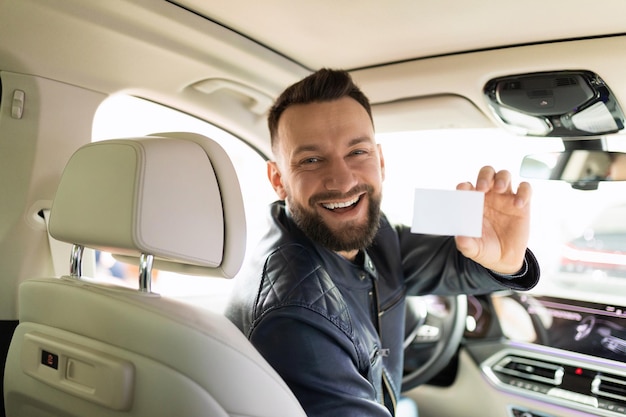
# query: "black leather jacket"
334 329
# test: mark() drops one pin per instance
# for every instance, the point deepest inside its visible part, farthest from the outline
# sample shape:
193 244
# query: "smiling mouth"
341 205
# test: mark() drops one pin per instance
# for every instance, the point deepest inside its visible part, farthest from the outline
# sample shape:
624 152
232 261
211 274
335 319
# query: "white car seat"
88 349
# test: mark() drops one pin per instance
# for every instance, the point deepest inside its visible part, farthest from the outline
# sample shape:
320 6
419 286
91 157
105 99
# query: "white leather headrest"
175 196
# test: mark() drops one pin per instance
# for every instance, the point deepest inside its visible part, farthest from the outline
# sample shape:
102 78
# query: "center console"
577 359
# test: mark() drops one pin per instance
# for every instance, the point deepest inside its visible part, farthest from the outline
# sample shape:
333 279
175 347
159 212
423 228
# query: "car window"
126 116
576 237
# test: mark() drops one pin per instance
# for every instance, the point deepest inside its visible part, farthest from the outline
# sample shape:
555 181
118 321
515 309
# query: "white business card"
448 212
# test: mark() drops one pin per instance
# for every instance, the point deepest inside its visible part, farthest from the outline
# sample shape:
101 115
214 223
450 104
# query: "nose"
339 176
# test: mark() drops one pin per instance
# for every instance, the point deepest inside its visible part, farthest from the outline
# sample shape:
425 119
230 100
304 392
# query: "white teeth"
332 206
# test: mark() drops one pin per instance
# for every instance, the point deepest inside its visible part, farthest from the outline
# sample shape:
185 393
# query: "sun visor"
444 111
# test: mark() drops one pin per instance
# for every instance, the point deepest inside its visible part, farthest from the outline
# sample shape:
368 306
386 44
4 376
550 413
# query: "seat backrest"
89 349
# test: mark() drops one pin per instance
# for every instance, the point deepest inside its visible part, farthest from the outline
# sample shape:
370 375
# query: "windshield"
578 236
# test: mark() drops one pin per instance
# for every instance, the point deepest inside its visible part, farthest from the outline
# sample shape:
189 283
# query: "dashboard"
567 352
577 326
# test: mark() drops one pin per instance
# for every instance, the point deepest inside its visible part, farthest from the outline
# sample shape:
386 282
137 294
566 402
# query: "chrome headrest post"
145 272
76 260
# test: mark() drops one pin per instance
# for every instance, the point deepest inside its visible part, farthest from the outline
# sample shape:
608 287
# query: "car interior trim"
574 380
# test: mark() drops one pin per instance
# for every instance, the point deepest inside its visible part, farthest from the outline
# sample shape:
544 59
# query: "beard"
351 235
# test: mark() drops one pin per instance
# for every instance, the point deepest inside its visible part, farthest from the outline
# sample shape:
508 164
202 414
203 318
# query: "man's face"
330 170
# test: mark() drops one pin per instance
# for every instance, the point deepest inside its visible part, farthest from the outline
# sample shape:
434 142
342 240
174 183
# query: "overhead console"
560 103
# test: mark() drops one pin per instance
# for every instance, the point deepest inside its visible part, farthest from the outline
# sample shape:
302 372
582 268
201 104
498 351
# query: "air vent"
610 387
563 379
531 370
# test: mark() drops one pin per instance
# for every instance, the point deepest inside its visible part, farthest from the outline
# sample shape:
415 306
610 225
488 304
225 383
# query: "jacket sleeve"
433 265
318 363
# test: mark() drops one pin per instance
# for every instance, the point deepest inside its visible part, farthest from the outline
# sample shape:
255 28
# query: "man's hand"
506 223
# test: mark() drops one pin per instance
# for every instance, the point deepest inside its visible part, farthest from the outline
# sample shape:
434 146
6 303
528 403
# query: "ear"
275 177
382 162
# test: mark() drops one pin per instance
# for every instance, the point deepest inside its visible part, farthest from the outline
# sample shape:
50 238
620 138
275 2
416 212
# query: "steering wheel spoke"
431 337
427 333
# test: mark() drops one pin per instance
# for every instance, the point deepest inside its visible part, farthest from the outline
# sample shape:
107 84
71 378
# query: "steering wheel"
434 328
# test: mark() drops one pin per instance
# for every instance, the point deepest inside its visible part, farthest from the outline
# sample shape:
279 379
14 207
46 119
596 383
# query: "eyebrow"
315 147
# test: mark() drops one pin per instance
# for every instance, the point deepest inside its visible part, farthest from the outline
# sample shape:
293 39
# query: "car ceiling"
423 64
350 35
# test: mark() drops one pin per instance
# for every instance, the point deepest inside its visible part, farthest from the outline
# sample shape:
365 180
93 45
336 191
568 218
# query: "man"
323 300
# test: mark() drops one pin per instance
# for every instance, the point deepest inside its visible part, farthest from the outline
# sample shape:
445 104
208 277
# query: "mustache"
335 195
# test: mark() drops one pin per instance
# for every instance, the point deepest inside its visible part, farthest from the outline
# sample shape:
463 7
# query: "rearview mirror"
578 167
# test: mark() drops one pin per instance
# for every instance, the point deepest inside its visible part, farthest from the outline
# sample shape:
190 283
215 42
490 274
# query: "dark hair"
323 85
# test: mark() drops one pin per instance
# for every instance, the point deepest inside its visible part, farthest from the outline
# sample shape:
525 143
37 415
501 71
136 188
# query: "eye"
308 161
358 152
